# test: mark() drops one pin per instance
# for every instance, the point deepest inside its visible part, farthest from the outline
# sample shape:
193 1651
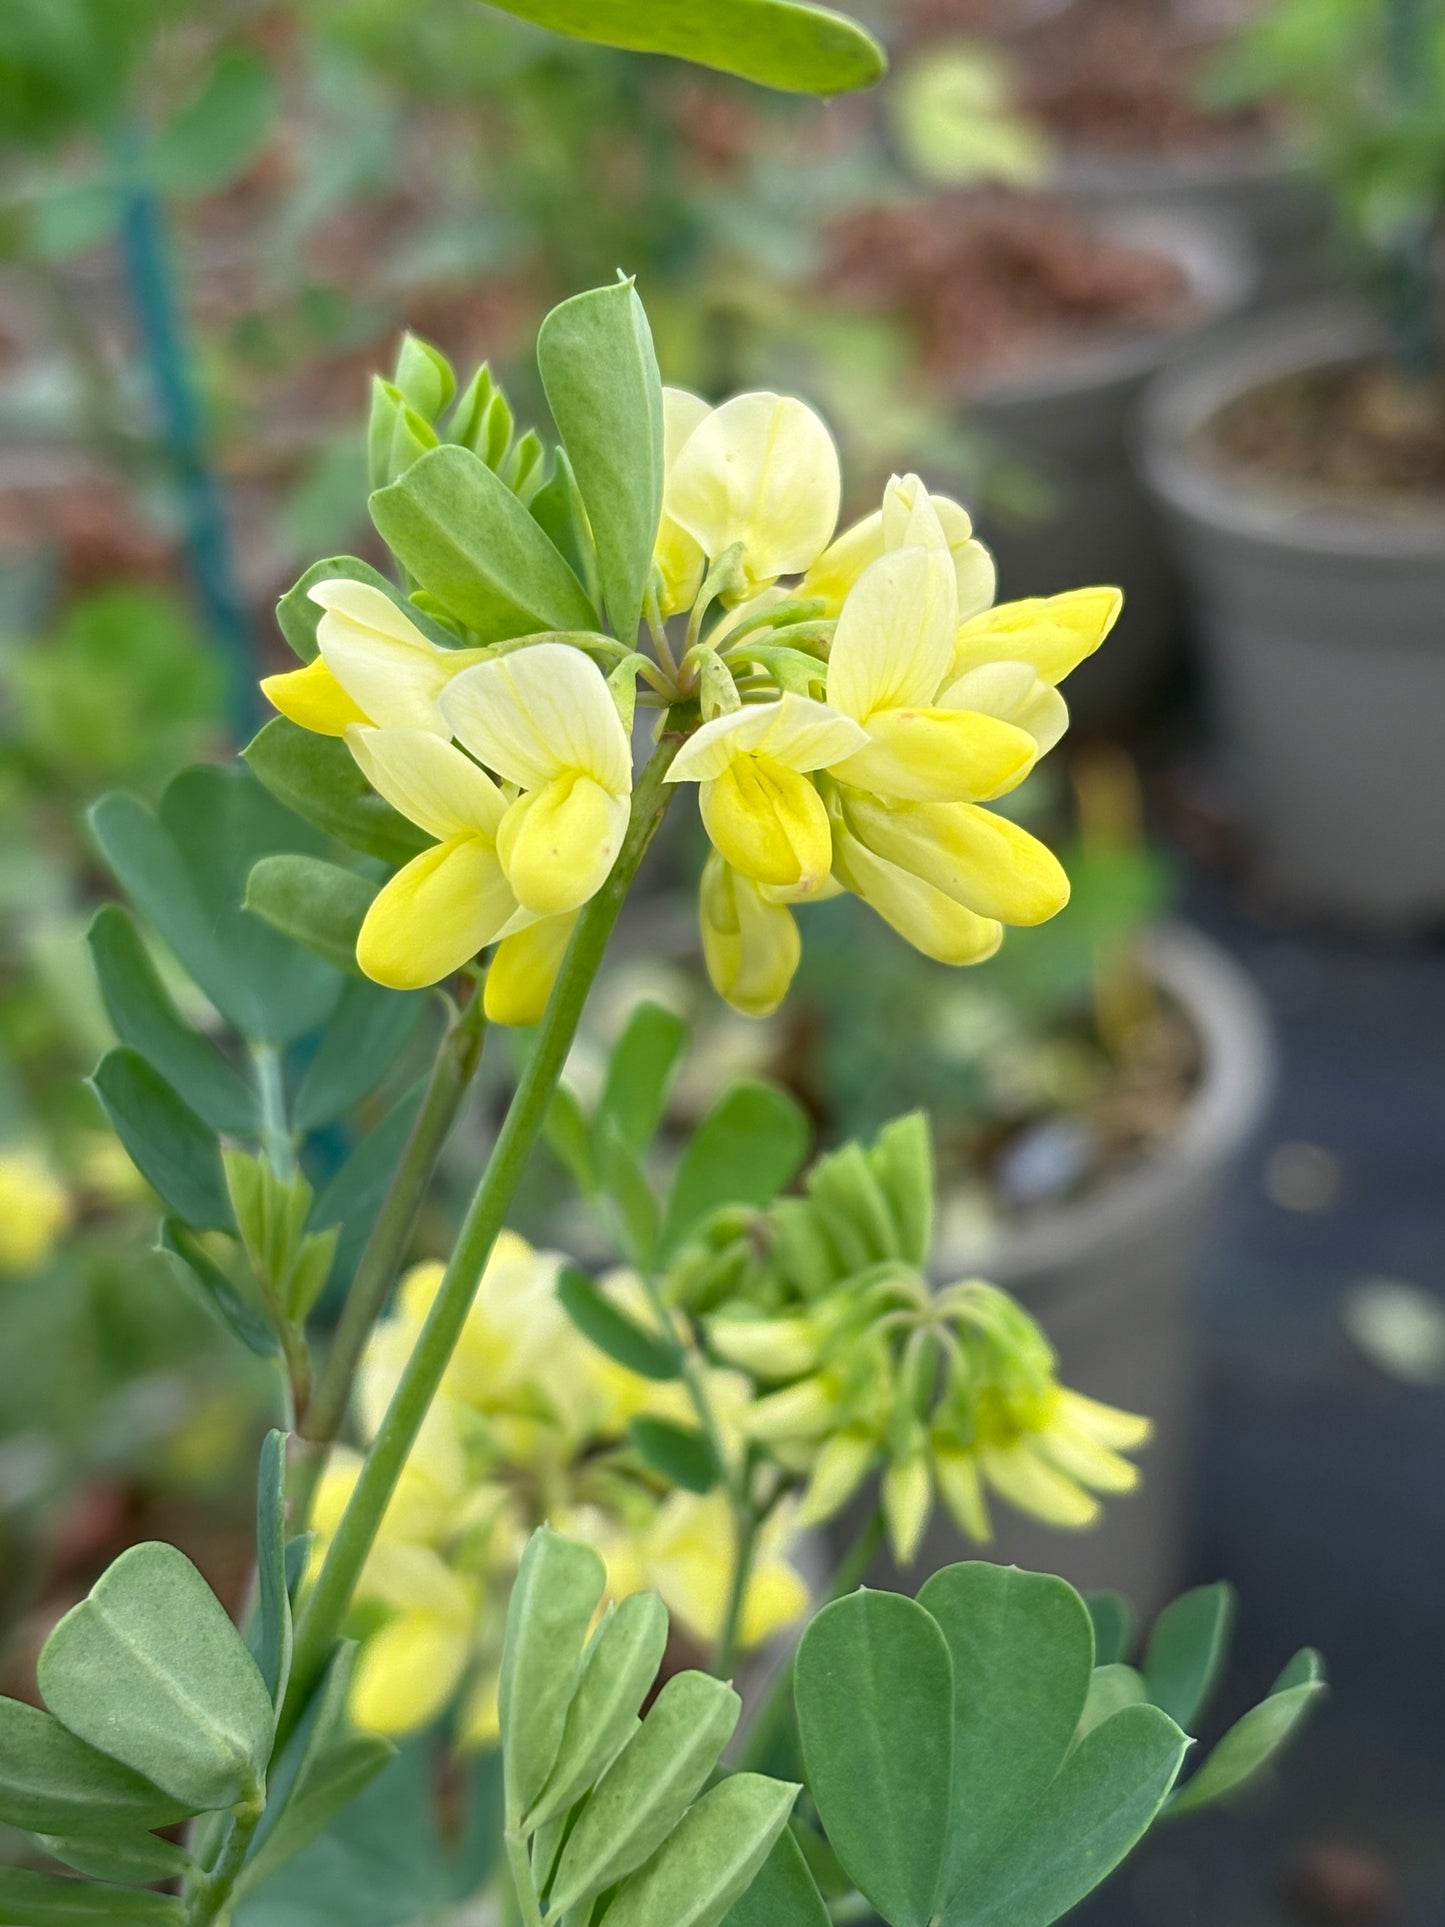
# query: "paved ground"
1322 1492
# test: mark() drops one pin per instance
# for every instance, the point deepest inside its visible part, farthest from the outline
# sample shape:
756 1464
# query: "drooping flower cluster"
860 1365
531 1424
847 705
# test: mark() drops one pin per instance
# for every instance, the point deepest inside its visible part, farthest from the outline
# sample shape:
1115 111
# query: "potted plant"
1299 460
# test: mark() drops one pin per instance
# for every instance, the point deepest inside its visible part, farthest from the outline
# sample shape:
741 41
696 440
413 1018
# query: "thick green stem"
521 1869
324 1606
451 1078
212 1891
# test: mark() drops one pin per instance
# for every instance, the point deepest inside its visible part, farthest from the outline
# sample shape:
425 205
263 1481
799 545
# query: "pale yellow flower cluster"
530 1424
849 728
35 1209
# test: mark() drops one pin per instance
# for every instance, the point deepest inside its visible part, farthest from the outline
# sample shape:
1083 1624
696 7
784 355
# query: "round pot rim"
1238 1066
1183 398
1219 263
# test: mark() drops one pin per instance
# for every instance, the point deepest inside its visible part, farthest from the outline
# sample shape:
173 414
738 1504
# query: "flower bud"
907 1496
806 1410
959 1486
767 1347
839 1469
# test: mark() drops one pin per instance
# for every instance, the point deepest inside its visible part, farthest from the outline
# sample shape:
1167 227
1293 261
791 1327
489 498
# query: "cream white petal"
894 640
761 470
429 780
910 518
682 412
381 659
795 731
539 712
1014 693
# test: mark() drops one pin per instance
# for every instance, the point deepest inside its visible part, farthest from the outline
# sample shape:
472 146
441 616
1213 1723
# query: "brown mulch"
1352 427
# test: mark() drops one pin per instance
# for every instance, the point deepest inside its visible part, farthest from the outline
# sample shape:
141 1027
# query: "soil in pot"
993 284
1350 428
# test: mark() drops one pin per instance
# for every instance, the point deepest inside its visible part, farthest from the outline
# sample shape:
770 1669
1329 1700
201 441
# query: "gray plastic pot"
1323 623
1113 1276
1068 423
1261 187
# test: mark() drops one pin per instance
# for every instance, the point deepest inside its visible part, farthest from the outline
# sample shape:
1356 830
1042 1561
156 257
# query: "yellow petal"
558 843
313 699
1021 1475
1109 1424
768 822
961 1489
434 915
925 917
894 640
523 970
939 755
795 731
1052 633
751 946
761 471
1014 693
538 713
842 1464
843 561
777 1595
907 1498
406 1673
430 781
677 554
381 659
1079 1457
479 1724
973 566
979 859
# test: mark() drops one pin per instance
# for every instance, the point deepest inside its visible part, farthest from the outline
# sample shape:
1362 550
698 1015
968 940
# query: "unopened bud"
839 1469
806 1410
767 1347
907 1496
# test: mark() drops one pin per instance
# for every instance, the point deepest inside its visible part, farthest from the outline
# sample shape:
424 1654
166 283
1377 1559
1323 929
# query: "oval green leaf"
177 1155
796 48
357 1049
316 903
874 1687
711 1858
46 1900
318 778
150 1669
681 1454
1249 1745
746 1150
1187 1649
1022 1651
52 1782
558 1586
784 1893
614 1331
138 1858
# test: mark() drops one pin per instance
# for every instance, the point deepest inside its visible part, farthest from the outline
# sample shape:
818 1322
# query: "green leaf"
711 1857
150 1667
901 1159
318 778
317 903
185 869
358 1047
678 1453
1079 1828
784 1894
1187 1649
47 1900
570 1140
1113 1619
273 1647
219 134
745 1151
639 1074
1111 1688
298 615
648 1787
778 43
618 1668
146 1019
558 1585
874 1687
140 1858
353 1197
1253 1741
52 1782
165 1140
615 1331
624 1184
599 370
198 1271
1022 1651
557 510
342 1771
466 539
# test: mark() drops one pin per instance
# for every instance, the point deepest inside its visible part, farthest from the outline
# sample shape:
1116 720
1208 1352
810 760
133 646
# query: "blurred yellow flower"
35 1208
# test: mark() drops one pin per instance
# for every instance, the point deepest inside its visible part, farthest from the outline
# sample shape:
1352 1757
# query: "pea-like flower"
373 666
896 525
759 475
544 719
750 943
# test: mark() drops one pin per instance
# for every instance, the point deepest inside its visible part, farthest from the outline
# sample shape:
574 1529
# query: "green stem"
746 1523
212 1892
451 1078
325 1604
521 1868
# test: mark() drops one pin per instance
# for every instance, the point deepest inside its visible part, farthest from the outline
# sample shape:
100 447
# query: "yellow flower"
908 835
760 810
374 666
679 558
34 1211
897 525
751 945
440 909
760 473
544 719
523 970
